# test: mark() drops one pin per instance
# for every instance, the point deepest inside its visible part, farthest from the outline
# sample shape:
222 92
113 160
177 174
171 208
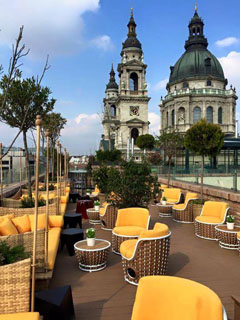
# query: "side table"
227 238
70 237
93 216
92 258
165 210
73 219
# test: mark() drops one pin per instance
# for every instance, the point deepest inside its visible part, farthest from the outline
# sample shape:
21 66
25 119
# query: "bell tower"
132 101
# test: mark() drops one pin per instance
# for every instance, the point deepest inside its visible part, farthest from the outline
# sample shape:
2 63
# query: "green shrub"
100 177
10 255
198 201
27 202
108 156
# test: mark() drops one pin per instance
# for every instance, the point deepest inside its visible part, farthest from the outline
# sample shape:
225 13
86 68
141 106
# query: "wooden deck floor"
105 295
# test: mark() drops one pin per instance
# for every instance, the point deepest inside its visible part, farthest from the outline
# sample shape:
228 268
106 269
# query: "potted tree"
164 200
230 222
91 237
96 205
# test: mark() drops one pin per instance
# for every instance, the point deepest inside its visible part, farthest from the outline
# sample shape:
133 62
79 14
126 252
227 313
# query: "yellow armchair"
213 213
129 224
173 298
183 212
173 195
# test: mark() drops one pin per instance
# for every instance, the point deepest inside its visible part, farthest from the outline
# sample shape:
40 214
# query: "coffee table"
227 238
92 258
165 210
93 216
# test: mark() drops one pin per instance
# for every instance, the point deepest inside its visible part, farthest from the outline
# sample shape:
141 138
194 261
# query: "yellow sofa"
129 224
173 298
183 212
213 213
173 195
20 316
147 255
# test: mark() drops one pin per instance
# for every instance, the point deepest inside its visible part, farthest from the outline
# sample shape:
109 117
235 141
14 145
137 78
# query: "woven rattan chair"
173 298
213 213
238 239
183 212
130 222
173 195
147 255
108 216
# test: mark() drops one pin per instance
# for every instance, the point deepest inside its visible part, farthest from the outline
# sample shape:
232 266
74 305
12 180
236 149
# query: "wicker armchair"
184 212
146 256
213 213
173 195
108 216
238 239
130 222
171 298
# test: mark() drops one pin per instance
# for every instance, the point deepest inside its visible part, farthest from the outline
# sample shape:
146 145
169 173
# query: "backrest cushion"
214 209
22 223
64 199
41 221
55 221
190 195
171 193
159 230
7 228
138 217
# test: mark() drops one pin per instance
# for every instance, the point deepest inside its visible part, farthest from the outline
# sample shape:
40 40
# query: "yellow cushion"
20 316
172 298
128 231
104 204
138 217
127 248
41 221
53 242
208 219
63 207
159 230
215 209
55 221
10 216
102 211
7 228
22 223
190 195
172 194
67 189
63 199
180 206
238 235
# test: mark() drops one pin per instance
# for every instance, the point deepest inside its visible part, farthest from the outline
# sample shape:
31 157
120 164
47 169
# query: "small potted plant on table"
96 205
164 201
88 192
91 237
230 222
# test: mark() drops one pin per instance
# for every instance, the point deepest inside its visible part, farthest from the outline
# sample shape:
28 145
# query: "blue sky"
83 38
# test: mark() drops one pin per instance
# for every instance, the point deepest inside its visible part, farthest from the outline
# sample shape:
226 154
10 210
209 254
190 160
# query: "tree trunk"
53 158
169 169
27 164
202 173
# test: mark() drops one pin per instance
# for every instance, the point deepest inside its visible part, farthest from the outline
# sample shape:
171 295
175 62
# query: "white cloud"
227 42
160 85
231 67
103 42
154 120
53 27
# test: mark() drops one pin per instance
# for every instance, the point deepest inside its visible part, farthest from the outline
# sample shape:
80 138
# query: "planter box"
15 287
197 208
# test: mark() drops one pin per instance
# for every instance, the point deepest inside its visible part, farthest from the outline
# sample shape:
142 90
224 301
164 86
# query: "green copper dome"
197 62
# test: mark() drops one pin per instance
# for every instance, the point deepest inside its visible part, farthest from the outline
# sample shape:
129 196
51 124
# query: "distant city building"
197 87
126 104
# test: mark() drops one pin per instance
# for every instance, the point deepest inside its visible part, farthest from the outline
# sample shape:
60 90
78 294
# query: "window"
220 115
210 114
185 85
112 111
197 113
209 83
134 134
133 82
173 117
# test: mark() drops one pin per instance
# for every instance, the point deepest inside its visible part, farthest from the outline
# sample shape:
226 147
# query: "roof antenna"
196 6
131 12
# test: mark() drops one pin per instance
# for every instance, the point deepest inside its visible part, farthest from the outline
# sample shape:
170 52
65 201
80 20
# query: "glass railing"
224 177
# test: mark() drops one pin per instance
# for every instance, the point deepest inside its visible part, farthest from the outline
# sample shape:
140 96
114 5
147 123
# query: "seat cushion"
238 235
20 316
128 231
22 223
102 211
180 206
41 221
63 207
64 199
53 242
127 248
208 219
7 228
55 221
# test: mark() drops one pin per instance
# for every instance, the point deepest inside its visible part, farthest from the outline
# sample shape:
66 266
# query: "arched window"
113 111
173 117
181 115
209 83
134 134
133 82
167 118
220 115
197 113
210 114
